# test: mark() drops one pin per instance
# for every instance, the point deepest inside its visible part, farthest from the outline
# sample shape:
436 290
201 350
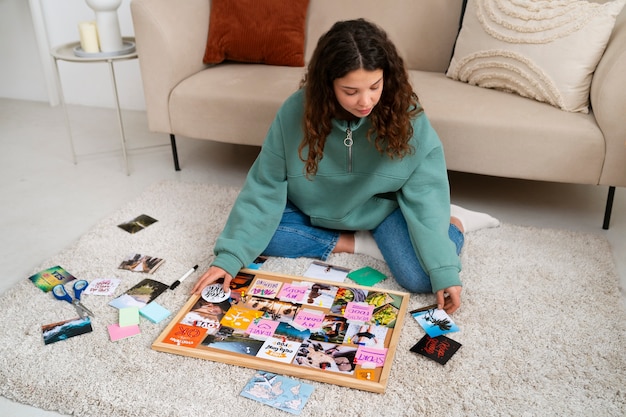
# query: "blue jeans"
296 237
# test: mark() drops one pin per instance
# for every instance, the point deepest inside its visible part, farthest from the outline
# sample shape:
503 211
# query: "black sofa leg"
174 152
609 208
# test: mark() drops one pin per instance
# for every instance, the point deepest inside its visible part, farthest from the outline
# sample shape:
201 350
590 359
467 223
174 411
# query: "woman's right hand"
209 277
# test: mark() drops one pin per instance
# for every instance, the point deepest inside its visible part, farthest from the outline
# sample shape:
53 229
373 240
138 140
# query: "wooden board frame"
363 377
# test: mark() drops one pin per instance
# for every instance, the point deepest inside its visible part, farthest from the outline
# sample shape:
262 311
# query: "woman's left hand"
449 299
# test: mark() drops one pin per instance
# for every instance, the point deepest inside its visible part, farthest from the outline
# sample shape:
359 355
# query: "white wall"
25 70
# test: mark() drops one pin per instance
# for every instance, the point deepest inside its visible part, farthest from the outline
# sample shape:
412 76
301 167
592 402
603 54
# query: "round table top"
65 52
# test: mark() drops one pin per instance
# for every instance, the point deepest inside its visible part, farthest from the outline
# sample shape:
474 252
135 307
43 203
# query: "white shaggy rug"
541 327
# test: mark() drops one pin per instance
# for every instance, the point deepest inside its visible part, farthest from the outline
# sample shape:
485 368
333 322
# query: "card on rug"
154 312
137 224
116 332
102 286
140 295
278 391
439 349
47 279
323 270
435 322
137 262
63 330
367 276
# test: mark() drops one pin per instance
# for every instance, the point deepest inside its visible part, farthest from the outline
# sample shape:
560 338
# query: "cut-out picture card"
184 335
139 295
63 330
102 286
137 224
367 276
435 322
328 272
279 349
118 333
137 262
284 393
47 279
440 348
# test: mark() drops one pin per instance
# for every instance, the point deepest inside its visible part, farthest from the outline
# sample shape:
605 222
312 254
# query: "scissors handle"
60 294
79 287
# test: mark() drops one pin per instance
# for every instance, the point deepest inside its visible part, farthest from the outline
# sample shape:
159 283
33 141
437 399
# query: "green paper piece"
128 316
367 276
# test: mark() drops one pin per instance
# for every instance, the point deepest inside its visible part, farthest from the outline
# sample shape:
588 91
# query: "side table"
66 53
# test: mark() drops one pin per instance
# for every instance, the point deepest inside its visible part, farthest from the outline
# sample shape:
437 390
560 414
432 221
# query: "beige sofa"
484 131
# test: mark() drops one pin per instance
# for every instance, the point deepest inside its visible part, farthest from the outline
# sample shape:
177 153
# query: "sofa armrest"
608 101
171 39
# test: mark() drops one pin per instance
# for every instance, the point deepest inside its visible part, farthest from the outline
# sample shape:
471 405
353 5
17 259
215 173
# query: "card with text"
439 349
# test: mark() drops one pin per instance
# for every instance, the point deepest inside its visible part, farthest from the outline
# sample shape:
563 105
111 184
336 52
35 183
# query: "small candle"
88 37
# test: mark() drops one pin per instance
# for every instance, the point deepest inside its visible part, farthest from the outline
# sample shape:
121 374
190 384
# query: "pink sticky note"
358 311
370 357
309 319
292 292
262 329
116 332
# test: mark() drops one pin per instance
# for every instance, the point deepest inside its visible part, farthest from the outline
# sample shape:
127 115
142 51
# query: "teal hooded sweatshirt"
355 188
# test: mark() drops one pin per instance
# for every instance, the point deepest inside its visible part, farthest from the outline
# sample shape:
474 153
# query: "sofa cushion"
489 132
545 53
211 102
257 31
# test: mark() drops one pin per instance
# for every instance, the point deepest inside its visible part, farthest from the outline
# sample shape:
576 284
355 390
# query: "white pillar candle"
88 37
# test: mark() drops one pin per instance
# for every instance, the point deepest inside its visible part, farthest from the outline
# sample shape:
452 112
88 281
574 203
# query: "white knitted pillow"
546 50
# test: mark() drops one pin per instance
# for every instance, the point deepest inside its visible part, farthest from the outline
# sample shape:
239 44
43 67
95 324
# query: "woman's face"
359 91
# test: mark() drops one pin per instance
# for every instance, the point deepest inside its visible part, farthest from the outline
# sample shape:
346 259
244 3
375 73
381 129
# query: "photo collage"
317 325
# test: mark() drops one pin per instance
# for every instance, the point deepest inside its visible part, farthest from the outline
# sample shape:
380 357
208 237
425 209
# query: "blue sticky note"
154 312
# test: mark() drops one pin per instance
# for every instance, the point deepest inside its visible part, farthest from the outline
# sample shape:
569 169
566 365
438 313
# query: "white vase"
109 34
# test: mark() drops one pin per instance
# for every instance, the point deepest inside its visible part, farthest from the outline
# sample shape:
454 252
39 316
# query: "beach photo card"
137 224
63 330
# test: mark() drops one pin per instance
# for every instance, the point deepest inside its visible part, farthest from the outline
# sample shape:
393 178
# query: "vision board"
324 331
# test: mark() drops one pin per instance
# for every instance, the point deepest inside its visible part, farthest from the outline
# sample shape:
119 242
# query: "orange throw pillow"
257 31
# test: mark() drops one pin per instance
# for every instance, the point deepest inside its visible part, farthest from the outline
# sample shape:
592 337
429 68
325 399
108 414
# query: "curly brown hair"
348 46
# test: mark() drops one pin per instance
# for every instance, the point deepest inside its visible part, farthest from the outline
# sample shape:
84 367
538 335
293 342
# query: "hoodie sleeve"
425 204
258 209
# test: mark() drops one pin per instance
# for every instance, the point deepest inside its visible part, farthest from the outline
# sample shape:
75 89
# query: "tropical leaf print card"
435 322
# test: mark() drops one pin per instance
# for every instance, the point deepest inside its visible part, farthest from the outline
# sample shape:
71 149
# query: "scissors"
60 293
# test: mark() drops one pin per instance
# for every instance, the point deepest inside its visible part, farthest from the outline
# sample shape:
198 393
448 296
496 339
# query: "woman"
352 152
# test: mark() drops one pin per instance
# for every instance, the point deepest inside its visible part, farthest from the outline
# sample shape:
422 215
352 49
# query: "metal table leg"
119 115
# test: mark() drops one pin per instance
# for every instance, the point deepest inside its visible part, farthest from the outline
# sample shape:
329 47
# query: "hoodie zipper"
348 143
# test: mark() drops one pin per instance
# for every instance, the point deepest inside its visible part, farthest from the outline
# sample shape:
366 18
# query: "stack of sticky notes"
127 326
128 323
